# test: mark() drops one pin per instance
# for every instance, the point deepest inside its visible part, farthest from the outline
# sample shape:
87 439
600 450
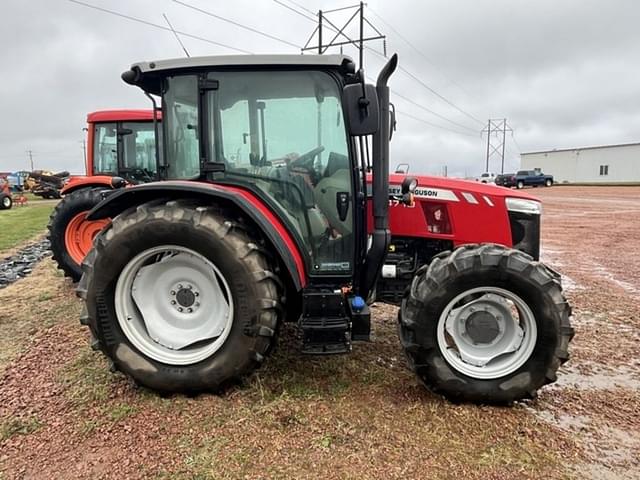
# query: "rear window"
523 172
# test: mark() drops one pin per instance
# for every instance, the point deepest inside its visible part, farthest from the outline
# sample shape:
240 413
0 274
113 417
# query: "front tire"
520 185
182 257
6 202
548 182
70 233
485 324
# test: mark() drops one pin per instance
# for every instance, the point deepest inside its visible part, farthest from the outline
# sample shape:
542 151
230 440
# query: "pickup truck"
506 180
525 178
486 177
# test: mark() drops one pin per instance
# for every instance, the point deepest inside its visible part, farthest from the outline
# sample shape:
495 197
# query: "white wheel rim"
174 305
6 201
486 333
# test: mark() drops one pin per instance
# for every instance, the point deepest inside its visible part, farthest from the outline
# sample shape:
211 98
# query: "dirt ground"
64 415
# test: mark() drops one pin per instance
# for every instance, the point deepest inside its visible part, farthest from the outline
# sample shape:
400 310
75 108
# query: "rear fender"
246 202
96 181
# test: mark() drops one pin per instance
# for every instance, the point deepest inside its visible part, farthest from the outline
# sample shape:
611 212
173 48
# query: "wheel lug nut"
173 302
197 294
189 310
197 304
179 286
173 292
190 287
179 309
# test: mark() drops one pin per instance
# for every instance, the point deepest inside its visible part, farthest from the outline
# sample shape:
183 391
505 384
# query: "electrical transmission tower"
496 131
326 26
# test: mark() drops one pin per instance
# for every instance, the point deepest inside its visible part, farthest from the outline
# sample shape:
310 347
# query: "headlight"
521 205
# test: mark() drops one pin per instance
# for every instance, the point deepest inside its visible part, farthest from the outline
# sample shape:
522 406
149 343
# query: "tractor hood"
443 187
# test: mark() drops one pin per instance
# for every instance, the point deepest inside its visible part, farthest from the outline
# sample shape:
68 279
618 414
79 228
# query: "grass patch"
32 305
87 379
18 426
22 223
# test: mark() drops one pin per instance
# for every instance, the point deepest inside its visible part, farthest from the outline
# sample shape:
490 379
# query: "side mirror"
124 131
409 185
362 109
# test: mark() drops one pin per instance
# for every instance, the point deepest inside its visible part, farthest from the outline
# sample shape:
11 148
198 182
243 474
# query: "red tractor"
121 151
6 200
186 288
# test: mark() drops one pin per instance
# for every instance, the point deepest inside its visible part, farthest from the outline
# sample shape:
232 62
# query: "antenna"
176 35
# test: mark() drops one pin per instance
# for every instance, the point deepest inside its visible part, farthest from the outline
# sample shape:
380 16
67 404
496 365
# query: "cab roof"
149 75
242 61
121 115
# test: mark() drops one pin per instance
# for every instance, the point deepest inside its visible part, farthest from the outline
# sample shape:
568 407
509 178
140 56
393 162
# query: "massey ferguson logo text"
419 192
439 193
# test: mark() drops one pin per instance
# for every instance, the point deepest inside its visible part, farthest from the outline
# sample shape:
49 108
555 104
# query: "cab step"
325 325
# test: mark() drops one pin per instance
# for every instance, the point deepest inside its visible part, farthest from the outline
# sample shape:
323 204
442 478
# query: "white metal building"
598 164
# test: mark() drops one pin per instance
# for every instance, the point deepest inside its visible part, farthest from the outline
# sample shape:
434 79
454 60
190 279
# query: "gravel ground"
63 415
592 236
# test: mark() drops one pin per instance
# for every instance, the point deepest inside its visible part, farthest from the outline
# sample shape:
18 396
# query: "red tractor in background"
121 150
6 200
187 285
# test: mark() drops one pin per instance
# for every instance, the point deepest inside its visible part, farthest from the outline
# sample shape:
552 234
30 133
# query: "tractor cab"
280 128
122 143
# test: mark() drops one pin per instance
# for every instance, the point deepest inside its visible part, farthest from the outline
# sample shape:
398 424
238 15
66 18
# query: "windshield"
282 134
126 149
138 151
105 153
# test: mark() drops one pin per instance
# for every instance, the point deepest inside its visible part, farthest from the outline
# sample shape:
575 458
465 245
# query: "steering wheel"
141 174
306 159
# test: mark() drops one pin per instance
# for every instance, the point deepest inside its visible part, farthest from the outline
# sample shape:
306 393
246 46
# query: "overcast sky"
564 73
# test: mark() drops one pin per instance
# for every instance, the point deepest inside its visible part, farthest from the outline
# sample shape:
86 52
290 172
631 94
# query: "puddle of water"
626 286
598 381
599 377
569 285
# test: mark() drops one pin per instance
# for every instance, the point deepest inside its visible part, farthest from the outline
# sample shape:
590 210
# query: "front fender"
244 200
96 181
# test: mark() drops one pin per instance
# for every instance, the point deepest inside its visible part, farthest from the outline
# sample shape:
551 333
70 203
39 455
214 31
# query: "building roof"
593 147
242 60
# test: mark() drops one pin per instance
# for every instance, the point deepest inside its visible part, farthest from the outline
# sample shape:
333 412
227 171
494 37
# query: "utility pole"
496 131
30 158
326 22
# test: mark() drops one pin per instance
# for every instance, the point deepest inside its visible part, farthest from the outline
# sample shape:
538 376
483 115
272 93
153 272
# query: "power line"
427 87
515 142
407 99
400 67
422 120
237 24
295 11
161 27
323 20
417 50
301 6
428 110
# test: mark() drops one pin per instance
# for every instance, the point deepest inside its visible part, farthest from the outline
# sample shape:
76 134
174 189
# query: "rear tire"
211 235
435 355
70 247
